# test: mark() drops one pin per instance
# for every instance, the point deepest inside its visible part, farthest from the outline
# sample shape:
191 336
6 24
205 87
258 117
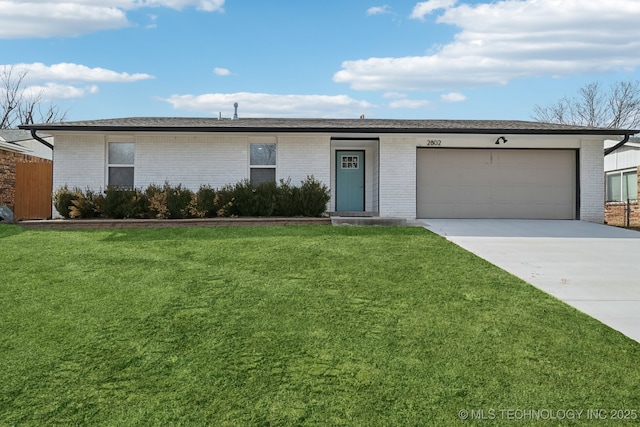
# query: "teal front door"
349 181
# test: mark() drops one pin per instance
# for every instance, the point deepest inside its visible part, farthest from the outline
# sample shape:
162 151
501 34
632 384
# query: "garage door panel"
459 209
469 194
460 158
527 193
472 183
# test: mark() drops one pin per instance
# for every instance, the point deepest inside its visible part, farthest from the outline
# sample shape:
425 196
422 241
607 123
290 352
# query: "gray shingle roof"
15 135
191 124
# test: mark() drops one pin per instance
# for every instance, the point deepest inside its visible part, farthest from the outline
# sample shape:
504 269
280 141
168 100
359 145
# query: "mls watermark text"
548 414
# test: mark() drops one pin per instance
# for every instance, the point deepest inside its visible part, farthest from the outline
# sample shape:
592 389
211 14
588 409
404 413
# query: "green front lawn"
309 325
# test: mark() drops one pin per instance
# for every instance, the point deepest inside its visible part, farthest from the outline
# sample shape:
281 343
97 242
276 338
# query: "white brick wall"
191 160
302 155
592 181
78 161
398 177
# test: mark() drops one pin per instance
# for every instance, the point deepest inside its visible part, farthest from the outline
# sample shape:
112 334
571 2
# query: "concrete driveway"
592 267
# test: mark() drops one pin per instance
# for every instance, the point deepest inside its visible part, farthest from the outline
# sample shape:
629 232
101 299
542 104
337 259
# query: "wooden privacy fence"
34 183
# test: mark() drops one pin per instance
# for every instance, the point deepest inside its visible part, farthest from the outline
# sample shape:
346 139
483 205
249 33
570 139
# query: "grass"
287 326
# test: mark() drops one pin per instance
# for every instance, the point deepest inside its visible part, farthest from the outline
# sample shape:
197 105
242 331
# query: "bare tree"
616 107
18 106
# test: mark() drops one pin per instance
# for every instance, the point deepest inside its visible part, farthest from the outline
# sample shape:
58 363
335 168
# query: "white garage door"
473 183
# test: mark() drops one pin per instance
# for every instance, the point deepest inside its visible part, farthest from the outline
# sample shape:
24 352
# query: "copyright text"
548 414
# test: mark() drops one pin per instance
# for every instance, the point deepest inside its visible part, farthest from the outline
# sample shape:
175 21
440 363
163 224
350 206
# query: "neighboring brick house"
17 146
622 179
388 168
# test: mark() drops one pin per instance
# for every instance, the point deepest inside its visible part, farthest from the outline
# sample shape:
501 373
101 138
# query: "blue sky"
440 59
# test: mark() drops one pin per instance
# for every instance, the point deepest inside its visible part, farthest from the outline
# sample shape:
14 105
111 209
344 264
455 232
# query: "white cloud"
208 5
379 10
205 5
65 80
74 73
394 95
424 8
409 103
510 39
271 105
453 97
54 91
221 71
50 18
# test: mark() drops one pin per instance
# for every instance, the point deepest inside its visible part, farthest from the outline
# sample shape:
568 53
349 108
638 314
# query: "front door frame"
359 206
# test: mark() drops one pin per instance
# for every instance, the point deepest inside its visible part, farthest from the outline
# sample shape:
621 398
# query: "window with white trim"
262 163
120 164
622 186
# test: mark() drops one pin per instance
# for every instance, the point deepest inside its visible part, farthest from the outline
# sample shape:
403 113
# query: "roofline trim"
14 147
220 129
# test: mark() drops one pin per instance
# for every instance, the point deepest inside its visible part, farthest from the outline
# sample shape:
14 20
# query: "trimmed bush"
224 201
243 196
169 202
266 198
271 199
174 202
178 199
63 200
314 197
287 199
122 203
85 205
157 199
203 203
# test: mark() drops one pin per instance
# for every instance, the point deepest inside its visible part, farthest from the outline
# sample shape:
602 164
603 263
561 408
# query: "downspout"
610 150
42 141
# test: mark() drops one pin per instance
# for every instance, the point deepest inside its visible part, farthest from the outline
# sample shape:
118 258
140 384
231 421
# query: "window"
622 185
350 162
120 164
262 163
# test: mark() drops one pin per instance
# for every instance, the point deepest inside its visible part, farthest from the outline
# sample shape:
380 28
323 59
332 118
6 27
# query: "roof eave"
380 130
13 147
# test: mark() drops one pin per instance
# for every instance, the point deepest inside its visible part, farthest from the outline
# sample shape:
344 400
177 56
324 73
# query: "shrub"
167 201
314 197
224 201
122 203
85 205
246 199
269 199
178 199
157 201
203 203
287 199
63 200
242 194
265 199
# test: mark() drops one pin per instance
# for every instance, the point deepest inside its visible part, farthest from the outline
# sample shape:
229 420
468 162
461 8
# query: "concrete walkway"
594 268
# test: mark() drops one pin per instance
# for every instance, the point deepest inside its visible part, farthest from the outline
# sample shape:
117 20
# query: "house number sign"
434 142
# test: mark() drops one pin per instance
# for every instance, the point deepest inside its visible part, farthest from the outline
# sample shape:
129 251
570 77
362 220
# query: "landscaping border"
83 224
